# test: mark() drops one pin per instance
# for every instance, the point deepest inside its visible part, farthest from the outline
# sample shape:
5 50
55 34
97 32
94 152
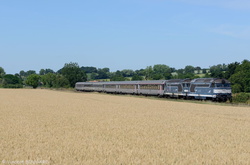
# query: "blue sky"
122 34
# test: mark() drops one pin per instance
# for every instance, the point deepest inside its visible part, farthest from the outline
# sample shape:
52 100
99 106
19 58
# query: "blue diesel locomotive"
200 89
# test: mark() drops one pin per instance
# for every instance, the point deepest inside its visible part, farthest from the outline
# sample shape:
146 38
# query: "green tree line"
238 73
64 78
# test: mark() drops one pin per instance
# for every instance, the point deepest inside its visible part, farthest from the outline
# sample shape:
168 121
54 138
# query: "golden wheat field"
54 127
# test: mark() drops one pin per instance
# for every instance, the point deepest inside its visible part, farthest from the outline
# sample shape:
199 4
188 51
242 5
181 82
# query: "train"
214 89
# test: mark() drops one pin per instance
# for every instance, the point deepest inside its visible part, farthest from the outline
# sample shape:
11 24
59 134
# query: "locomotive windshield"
222 85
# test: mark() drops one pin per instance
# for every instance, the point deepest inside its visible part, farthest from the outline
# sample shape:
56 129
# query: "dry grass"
87 128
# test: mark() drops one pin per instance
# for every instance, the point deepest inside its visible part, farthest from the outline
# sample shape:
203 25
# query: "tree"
207 75
93 76
189 72
241 78
161 68
186 73
30 72
73 73
45 71
231 69
237 88
189 69
148 72
52 80
90 69
49 80
157 76
2 72
22 73
140 72
217 71
33 80
117 76
137 77
12 81
172 70
161 71
103 73
127 73
197 68
204 71
42 72
61 82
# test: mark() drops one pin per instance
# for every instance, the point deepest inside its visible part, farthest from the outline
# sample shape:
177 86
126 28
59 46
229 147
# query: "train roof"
137 82
125 82
178 80
153 82
210 80
121 82
89 82
198 80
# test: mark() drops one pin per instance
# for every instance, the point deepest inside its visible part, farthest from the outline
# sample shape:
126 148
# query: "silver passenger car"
155 87
89 86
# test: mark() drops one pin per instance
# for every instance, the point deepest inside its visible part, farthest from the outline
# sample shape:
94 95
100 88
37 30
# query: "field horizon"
43 126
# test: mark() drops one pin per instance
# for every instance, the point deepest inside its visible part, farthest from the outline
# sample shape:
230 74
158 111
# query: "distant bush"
236 88
33 80
241 98
12 86
11 81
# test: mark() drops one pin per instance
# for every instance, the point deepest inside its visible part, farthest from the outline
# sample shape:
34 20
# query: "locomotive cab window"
222 85
187 85
202 85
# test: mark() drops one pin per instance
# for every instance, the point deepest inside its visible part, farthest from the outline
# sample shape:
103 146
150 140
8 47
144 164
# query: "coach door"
161 89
